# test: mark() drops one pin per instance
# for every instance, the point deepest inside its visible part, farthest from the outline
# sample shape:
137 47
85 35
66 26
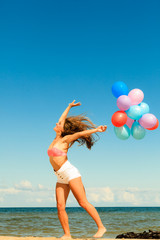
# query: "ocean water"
44 222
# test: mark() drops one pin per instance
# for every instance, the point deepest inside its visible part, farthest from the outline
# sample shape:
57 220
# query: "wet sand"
47 238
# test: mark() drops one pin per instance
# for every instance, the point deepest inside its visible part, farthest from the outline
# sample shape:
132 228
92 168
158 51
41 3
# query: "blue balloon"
122 132
144 107
137 131
134 112
119 88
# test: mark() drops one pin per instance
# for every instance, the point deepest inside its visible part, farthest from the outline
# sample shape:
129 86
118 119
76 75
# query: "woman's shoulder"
65 138
62 140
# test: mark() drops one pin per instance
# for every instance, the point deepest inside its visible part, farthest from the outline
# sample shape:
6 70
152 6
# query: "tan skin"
75 185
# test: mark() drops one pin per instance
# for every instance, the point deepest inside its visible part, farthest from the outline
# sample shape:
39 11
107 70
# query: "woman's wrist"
69 105
96 129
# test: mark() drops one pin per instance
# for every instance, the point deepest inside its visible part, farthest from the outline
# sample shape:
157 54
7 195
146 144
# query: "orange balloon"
156 126
119 118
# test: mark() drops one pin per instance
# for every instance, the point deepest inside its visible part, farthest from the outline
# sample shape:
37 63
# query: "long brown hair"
79 123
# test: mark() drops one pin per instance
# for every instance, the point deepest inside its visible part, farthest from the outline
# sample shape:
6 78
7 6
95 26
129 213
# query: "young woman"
68 130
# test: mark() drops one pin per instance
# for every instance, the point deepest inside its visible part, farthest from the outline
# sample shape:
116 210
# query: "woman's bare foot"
100 232
66 236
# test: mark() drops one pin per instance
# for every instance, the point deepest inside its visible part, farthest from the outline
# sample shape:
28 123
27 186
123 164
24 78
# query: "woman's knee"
61 206
83 203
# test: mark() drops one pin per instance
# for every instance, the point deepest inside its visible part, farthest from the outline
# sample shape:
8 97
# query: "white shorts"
66 173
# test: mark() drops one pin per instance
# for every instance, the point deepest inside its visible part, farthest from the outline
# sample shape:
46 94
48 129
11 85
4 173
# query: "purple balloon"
123 102
148 120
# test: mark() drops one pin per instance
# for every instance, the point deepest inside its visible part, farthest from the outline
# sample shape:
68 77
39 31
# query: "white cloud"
40 187
51 199
41 195
132 189
157 198
26 194
103 194
100 194
1 199
93 197
129 197
38 200
24 185
138 197
9 190
108 195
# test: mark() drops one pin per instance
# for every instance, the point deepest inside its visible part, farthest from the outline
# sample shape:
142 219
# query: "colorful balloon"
119 88
123 102
148 120
134 116
144 107
136 96
119 118
122 132
155 127
129 122
137 131
134 112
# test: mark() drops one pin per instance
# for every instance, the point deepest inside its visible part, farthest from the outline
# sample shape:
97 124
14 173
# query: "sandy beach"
26 238
46 238
38 238
42 238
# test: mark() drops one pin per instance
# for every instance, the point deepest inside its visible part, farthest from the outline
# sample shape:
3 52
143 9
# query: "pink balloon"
136 96
129 122
148 120
123 102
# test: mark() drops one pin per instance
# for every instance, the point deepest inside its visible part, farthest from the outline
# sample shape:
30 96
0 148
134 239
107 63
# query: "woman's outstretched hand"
73 104
101 128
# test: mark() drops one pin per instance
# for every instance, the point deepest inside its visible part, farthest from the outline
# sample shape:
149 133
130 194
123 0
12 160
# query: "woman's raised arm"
65 113
75 136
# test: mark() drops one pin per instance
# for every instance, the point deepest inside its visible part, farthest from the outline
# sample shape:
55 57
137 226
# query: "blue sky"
53 52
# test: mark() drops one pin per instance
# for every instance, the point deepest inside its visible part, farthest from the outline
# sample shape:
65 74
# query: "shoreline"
50 238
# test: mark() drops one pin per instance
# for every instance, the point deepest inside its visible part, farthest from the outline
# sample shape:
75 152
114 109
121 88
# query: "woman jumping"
68 130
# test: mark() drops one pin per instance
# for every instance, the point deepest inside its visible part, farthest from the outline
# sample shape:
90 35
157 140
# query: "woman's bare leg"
62 192
78 191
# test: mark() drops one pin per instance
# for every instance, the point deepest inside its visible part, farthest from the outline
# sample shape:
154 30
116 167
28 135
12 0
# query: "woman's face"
58 128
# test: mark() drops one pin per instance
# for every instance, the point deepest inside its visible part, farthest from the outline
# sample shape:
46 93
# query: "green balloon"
137 131
123 132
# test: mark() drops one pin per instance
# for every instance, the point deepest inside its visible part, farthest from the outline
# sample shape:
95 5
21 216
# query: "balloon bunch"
134 117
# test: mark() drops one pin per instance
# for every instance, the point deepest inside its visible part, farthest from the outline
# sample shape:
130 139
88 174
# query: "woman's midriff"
57 162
